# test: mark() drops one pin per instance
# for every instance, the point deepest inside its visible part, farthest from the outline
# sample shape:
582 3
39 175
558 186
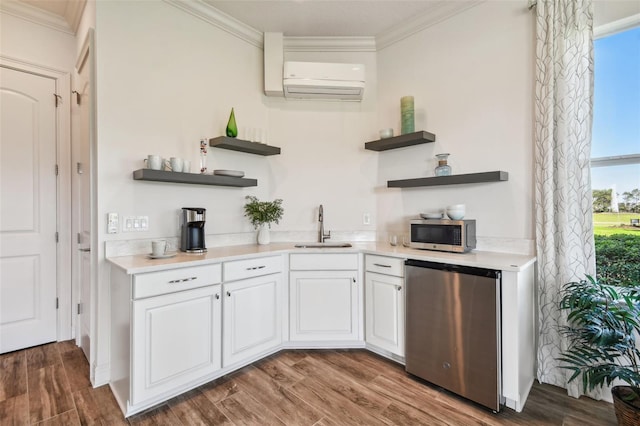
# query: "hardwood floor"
49 385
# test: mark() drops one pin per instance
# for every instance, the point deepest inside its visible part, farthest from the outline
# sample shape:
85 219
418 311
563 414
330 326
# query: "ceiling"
294 18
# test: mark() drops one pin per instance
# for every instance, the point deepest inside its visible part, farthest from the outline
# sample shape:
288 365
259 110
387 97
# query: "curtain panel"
563 200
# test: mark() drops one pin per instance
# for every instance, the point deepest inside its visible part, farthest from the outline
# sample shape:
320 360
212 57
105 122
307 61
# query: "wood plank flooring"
49 385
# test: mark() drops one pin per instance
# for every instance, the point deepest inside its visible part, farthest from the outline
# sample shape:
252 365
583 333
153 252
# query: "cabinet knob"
228 294
399 287
217 295
354 280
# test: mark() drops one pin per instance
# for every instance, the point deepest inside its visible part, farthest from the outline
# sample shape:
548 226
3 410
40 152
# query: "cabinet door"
176 339
384 296
252 317
324 305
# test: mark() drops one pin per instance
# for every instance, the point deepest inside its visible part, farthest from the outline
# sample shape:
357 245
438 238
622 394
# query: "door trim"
98 372
62 79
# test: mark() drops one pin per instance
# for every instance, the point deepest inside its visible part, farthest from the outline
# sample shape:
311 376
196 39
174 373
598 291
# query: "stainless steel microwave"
458 236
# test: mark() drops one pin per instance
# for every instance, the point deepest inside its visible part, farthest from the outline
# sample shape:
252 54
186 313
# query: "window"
615 157
615 152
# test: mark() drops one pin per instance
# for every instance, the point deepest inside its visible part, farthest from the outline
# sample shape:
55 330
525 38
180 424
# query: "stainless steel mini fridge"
453 329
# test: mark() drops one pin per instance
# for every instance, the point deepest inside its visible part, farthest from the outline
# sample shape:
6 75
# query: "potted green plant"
262 213
602 327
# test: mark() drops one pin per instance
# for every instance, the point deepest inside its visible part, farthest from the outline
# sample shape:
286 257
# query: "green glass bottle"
232 129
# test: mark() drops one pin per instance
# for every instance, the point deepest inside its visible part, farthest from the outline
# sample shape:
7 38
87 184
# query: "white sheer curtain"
563 116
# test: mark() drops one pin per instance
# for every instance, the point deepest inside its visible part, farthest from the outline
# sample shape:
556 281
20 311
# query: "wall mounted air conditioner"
316 80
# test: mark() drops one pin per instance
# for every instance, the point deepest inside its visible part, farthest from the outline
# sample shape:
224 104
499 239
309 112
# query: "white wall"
607 11
472 80
37 44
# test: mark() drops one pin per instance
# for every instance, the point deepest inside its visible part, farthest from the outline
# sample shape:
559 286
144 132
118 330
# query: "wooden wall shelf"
401 141
497 176
235 144
192 178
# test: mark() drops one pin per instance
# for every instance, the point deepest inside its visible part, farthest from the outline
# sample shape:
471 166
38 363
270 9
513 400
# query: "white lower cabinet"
252 314
166 333
384 323
176 339
384 301
324 304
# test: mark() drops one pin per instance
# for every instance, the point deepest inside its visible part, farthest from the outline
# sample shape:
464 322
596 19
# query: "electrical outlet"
366 219
112 223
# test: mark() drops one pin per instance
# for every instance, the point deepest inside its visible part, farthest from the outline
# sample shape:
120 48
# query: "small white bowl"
456 206
455 214
386 133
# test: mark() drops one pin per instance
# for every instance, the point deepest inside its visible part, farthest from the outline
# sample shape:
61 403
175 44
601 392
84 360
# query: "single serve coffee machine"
192 230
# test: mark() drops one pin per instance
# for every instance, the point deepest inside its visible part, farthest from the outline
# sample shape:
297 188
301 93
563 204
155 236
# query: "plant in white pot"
602 327
262 214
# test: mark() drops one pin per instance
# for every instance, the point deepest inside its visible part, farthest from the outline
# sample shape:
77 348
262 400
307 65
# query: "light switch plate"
112 223
366 219
135 223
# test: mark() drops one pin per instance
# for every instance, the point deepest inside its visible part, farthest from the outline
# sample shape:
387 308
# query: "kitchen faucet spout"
321 234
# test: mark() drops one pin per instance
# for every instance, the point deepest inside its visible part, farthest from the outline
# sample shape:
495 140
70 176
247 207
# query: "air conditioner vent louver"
313 80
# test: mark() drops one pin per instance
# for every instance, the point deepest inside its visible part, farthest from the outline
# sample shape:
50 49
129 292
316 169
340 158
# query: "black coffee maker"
192 230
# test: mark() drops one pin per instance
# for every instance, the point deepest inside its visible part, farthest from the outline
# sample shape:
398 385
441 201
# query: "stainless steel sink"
323 245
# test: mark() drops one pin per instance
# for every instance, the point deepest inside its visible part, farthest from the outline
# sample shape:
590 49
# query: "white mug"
158 247
176 164
186 166
153 162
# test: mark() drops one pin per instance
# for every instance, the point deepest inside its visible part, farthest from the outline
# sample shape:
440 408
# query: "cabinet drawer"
241 269
323 262
155 283
384 265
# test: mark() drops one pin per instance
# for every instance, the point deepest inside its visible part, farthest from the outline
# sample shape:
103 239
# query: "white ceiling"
312 18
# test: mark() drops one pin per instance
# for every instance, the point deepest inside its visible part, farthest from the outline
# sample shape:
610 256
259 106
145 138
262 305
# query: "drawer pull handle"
182 280
256 267
381 265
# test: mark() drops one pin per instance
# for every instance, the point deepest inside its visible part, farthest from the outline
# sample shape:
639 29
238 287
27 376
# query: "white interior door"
81 189
27 210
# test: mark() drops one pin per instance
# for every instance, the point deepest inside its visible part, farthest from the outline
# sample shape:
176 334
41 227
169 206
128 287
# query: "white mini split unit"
316 80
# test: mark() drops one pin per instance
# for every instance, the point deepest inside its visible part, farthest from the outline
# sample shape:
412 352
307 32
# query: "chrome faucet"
321 235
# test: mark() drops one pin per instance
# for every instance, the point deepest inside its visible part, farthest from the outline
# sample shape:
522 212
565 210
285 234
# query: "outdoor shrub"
618 259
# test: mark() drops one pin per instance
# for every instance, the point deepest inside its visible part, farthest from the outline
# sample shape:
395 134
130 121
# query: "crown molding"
441 12
208 13
329 44
37 16
202 10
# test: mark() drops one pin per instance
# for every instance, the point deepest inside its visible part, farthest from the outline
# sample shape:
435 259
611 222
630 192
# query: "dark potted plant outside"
603 325
262 213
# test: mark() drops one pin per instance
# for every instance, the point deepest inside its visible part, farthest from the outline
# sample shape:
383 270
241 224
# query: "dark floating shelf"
401 141
240 145
498 176
192 178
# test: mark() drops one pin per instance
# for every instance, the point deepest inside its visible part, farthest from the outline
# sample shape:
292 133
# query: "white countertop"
141 263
